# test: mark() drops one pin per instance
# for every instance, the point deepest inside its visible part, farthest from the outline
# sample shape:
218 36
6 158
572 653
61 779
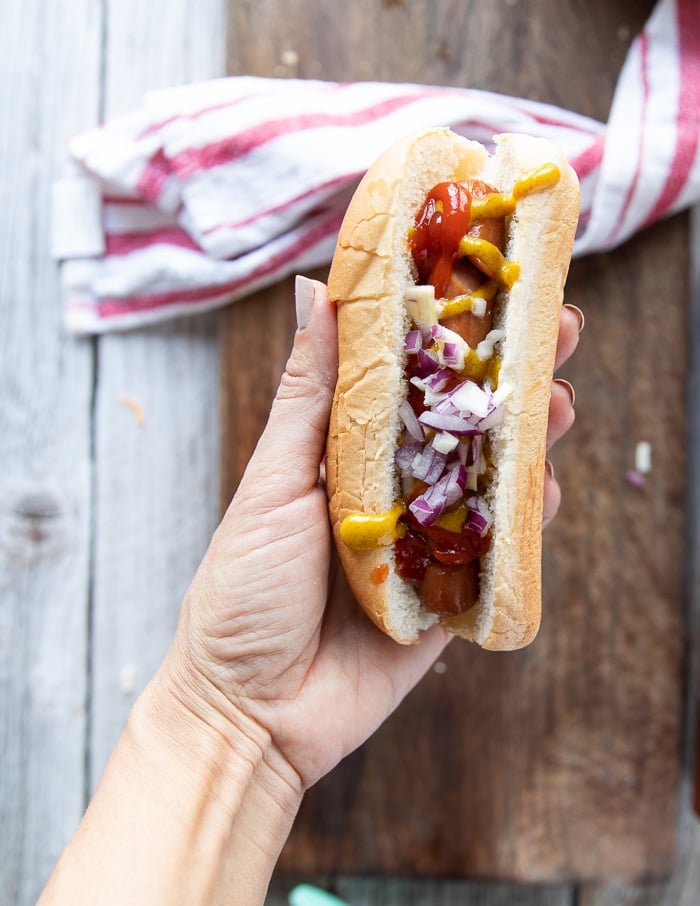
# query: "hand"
269 681
260 639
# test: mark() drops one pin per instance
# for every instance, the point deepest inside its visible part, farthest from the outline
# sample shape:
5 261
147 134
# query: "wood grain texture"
157 482
562 760
46 384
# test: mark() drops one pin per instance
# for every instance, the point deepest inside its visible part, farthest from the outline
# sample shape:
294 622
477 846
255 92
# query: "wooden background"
103 520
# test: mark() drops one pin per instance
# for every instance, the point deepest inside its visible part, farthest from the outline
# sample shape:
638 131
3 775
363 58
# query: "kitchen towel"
210 191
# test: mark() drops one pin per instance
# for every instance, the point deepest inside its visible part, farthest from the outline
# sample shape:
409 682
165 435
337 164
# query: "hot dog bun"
370 273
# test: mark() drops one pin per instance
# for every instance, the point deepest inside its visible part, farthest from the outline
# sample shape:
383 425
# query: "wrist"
190 809
243 782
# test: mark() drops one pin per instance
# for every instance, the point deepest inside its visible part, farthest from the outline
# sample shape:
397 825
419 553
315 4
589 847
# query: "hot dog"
448 277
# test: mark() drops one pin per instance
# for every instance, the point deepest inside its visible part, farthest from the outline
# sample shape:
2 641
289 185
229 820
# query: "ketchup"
442 222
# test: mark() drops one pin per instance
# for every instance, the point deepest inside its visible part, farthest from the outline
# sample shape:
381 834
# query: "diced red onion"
444 442
452 356
427 362
485 349
428 466
414 342
479 518
468 397
478 458
430 505
457 475
405 455
410 420
445 406
455 424
423 510
495 417
479 307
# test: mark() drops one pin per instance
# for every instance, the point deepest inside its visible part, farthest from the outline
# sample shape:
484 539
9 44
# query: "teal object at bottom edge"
306 895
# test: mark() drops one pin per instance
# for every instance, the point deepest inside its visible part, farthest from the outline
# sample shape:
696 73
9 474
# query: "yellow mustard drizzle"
543 177
505 272
498 204
452 520
466 303
367 531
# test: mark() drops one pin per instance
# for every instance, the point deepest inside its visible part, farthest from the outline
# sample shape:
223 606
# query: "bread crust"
370 273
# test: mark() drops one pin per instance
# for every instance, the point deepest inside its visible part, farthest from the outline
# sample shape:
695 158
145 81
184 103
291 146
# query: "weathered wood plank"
49 89
683 887
157 482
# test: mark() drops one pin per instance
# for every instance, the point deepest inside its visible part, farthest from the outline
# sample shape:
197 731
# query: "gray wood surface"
46 383
102 519
156 486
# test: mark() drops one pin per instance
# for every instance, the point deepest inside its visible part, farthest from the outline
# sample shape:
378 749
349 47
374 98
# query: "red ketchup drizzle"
443 220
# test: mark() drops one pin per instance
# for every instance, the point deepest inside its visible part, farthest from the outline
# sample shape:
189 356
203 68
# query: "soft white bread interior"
369 276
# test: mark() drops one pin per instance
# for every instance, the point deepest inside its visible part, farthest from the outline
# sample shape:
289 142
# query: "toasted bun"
370 273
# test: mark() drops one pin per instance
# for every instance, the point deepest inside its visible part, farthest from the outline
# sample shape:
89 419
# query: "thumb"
293 442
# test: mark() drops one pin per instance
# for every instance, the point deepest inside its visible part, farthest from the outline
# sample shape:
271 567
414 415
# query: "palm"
319 678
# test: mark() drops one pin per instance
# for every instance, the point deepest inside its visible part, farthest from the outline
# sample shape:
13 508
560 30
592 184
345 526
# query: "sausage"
464 280
445 589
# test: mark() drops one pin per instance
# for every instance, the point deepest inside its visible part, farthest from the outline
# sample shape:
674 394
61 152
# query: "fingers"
552 495
294 439
561 410
561 405
570 326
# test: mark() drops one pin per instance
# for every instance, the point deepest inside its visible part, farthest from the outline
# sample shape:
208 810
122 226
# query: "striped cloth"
213 190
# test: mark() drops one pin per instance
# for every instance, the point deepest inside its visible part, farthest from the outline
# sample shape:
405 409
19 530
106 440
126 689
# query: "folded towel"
213 190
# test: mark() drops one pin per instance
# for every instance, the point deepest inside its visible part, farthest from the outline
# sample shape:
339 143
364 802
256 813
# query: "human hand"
262 639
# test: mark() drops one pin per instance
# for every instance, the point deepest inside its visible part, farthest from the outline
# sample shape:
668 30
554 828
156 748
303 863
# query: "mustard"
367 531
452 520
498 204
544 177
488 207
504 271
466 303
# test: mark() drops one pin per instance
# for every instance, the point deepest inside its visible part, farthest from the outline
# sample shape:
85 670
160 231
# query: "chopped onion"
408 417
455 424
479 307
427 362
423 510
405 455
414 342
421 305
428 466
430 505
495 417
444 442
469 398
479 518
485 349
478 458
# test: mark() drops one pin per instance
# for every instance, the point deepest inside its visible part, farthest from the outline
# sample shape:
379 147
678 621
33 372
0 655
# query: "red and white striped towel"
213 190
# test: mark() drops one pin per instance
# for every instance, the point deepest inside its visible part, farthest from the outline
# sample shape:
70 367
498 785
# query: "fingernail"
304 295
579 314
549 468
569 389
